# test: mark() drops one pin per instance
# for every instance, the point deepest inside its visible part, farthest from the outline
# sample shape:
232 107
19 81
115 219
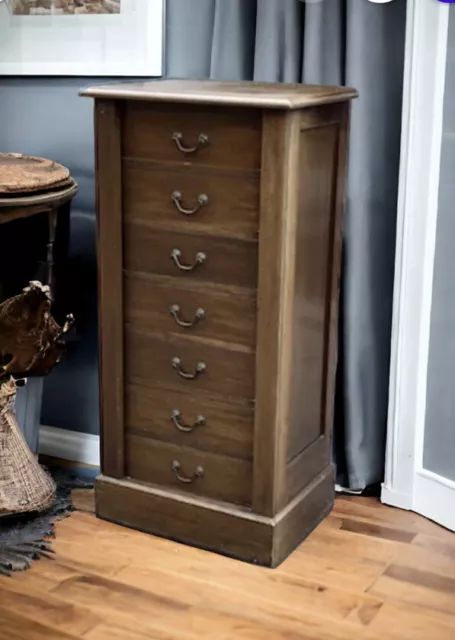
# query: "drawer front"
160 304
190 420
190 366
196 472
190 256
198 200
197 134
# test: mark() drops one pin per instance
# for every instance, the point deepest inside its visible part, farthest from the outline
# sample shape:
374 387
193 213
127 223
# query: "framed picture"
82 37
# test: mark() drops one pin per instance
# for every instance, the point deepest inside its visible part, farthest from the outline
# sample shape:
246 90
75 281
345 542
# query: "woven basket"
24 485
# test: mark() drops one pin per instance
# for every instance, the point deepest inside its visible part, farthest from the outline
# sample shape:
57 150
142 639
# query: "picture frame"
129 42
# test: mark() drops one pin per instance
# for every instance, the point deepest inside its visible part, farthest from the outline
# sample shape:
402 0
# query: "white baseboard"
396 498
70 445
434 498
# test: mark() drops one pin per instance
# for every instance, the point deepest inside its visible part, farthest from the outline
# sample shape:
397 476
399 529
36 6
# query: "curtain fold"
361 44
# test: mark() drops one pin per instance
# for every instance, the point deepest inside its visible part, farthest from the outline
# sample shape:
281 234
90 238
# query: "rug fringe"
26 538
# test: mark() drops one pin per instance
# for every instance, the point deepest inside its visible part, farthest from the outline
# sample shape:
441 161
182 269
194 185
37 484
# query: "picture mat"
125 44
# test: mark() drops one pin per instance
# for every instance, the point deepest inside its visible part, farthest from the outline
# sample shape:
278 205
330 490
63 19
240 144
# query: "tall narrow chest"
219 240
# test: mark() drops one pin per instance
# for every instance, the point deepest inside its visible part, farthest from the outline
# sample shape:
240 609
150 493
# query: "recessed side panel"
314 318
313 260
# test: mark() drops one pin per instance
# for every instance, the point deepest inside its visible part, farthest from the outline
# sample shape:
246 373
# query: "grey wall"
439 443
45 116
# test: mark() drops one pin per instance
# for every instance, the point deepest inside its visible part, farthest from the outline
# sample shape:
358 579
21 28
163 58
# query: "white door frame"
407 484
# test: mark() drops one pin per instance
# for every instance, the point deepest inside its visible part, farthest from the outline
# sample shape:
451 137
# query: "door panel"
420 460
439 436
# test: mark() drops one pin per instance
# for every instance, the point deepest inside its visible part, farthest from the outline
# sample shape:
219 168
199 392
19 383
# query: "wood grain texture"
279 192
44 608
306 465
229 372
251 94
227 428
229 312
235 531
299 334
118 632
431 545
227 262
35 207
312 288
334 275
221 526
367 511
379 531
257 265
300 516
110 282
412 623
223 478
14 627
234 136
165 591
232 209
323 116
323 160
83 500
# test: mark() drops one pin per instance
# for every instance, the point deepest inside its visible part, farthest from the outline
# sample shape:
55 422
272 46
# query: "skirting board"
433 498
396 499
70 445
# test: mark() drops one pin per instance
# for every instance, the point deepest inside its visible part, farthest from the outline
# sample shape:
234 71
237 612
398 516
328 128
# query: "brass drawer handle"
176 254
177 198
198 473
202 141
177 365
175 417
198 316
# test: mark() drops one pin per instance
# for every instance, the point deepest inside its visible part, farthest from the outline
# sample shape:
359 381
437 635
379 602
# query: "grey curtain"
353 42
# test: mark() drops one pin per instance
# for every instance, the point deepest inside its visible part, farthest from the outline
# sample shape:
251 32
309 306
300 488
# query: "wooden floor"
367 572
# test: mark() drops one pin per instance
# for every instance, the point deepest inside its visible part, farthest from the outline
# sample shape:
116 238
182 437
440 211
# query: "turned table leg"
52 226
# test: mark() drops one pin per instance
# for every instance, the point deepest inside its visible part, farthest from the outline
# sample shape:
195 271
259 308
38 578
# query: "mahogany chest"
219 240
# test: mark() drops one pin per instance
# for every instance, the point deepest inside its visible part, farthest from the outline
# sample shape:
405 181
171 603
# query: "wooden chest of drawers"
219 209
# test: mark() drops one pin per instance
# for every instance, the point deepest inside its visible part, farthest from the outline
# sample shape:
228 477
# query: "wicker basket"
24 485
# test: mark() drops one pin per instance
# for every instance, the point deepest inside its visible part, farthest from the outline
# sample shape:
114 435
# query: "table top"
24 207
266 95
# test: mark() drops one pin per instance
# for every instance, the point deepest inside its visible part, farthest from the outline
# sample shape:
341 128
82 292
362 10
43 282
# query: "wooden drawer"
159 304
221 477
217 426
222 204
233 135
150 359
231 262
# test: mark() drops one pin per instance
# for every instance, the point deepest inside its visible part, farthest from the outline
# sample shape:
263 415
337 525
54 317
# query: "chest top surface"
266 95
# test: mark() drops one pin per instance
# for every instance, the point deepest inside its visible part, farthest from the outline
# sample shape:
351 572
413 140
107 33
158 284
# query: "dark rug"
28 537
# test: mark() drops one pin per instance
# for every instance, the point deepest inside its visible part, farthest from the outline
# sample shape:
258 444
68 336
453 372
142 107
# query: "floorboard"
367 572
